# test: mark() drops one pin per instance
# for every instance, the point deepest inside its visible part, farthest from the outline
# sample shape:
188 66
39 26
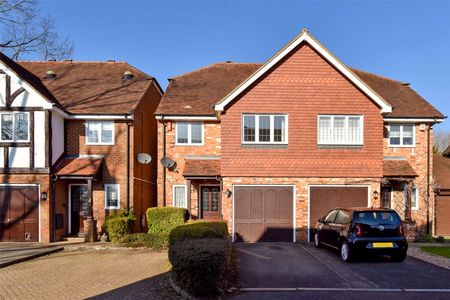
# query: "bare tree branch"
441 140
23 31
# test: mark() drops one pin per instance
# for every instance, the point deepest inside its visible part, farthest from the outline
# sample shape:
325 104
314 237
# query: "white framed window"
179 196
112 196
100 133
340 130
402 135
264 129
15 126
189 133
414 198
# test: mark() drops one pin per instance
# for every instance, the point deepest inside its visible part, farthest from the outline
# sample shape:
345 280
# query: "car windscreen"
377 217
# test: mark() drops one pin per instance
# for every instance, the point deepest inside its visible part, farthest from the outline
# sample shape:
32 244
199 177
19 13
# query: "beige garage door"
443 215
323 199
263 214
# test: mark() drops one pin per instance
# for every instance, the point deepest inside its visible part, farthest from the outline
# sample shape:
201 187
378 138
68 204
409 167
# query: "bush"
200 265
425 238
199 230
155 241
119 224
440 239
164 219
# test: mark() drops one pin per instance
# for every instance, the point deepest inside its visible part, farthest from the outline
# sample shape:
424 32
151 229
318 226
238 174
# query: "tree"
24 31
441 140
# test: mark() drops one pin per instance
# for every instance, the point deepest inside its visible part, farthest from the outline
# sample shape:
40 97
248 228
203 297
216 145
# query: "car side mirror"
322 220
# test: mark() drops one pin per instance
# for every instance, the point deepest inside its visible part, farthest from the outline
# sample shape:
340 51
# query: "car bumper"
385 246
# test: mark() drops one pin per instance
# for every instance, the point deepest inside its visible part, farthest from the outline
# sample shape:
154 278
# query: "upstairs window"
100 133
401 136
340 130
189 133
264 129
14 126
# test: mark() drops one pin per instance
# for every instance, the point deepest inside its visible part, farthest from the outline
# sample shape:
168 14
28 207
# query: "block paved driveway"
123 274
291 270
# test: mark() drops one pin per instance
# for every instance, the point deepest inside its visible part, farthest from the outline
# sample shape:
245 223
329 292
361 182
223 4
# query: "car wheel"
399 257
346 253
316 240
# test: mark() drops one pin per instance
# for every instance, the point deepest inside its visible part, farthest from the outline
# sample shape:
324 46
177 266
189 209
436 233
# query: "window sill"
264 146
402 146
188 145
340 146
99 144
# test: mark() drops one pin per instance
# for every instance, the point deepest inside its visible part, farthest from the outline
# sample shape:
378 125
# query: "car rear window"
377 217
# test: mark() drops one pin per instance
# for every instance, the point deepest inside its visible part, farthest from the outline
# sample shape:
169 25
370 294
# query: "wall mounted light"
375 195
228 193
44 196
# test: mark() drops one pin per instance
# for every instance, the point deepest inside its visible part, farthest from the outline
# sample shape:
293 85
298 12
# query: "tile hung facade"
272 191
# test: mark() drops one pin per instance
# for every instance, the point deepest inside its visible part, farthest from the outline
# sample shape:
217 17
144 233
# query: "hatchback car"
362 230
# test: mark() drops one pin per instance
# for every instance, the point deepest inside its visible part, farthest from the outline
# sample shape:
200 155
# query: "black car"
362 230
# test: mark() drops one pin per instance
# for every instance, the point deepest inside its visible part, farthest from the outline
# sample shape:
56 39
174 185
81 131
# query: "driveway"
303 269
125 274
11 253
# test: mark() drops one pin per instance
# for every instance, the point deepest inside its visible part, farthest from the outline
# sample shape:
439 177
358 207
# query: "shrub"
155 241
440 239
119 224
200 265
425 238
164 219
199 230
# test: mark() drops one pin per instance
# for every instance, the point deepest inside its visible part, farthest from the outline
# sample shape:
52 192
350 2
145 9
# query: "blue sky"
408 41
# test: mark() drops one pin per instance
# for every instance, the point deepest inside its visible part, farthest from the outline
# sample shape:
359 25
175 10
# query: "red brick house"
70 136
272 147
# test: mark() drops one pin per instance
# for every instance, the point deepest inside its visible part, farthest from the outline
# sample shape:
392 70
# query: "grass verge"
441 251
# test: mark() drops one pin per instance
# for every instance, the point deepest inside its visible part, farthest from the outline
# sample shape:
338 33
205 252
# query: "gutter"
128 163
428 179
164 154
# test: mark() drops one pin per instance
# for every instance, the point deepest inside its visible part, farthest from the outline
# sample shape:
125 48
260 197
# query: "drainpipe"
128 163
428 178
164 154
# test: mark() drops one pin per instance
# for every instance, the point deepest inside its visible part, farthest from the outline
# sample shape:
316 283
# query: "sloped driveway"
292 267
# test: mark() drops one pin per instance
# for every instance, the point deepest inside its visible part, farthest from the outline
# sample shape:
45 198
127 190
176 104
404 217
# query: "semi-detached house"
70 136
270 148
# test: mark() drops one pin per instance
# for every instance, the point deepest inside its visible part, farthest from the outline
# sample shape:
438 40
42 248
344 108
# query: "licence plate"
383 245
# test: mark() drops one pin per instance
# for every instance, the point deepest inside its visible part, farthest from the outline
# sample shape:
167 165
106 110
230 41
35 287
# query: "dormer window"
14 126
100 133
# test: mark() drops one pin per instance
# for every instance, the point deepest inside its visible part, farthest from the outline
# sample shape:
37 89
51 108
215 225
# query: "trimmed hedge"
200 265
199 230
164 219
155 241
118 225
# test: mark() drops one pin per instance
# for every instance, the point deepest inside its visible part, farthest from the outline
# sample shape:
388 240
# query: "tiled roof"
196 93
79 166
202 167
441 171
91 87
398 168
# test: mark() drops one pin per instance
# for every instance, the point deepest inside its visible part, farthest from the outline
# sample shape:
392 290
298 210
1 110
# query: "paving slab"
12 253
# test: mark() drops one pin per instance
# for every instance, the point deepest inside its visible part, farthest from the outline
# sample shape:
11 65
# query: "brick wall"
303 85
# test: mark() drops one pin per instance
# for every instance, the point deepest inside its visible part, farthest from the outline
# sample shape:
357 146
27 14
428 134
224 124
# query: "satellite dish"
167 162
144 158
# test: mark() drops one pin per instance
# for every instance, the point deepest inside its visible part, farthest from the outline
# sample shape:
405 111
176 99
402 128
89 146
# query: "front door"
79 209
210 202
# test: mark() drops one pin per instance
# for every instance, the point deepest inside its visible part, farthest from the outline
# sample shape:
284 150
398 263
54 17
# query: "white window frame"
100 132
345 143
401 136
185 195
189 143
106 195
271 126
416 207
14 140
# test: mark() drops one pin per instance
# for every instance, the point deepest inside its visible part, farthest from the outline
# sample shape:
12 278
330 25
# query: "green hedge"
118 225
200 265
164 219
199 230
155 241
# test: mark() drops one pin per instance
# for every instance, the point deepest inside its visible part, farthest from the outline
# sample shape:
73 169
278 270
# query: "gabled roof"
306 37
91 87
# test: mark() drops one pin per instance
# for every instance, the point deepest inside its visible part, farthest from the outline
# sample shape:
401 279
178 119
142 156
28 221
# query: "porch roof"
202 168
398 168
79 166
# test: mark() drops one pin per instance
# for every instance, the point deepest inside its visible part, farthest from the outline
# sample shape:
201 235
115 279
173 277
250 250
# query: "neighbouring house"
272 147
441 176
70 136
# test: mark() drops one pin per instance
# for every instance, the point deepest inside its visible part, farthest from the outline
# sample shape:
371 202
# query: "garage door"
443 215
323 199
263 214
19 214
